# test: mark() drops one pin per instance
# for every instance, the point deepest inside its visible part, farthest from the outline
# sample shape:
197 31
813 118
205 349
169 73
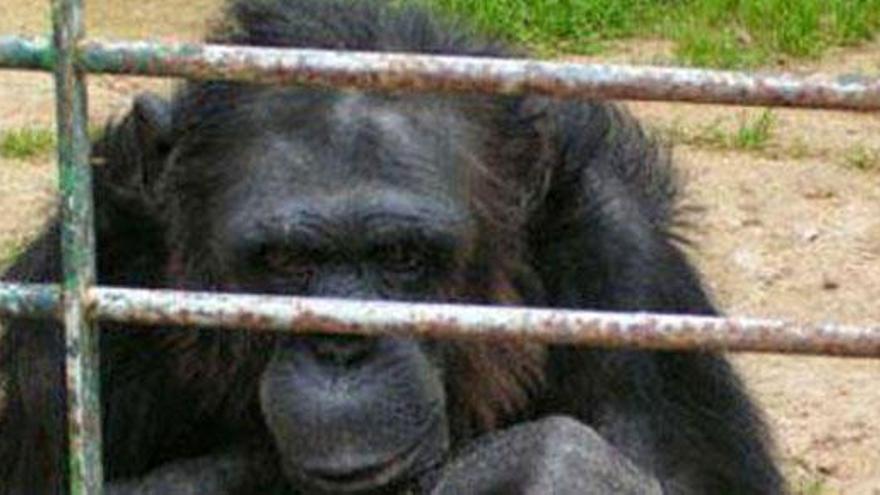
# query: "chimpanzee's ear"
130 159
152 118
602 235
132 154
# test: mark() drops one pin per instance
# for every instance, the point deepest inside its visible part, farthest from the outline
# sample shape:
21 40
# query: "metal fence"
80 304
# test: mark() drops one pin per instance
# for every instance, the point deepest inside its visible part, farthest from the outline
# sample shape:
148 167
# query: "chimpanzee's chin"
349 415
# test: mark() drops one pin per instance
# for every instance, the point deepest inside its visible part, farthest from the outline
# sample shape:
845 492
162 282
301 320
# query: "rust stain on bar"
604 329
649 331
427 73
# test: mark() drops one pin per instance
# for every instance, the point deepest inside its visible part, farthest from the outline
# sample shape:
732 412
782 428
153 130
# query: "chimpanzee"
382 195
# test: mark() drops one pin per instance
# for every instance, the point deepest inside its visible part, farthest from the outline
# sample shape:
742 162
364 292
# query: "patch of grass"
811 487
30 142
716 33
863 159
754 135
554 26
699 46
745 33
750 134
26 142
706 136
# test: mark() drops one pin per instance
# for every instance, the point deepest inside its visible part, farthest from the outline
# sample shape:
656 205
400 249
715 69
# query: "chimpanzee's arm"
232 473
557 455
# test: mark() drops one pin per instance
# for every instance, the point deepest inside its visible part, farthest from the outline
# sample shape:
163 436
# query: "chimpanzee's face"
365 199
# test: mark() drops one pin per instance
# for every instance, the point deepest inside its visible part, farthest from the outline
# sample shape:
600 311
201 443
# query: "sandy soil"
790 231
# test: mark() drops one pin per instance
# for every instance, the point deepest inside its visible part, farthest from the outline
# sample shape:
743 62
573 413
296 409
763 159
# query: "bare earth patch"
799 239
791 230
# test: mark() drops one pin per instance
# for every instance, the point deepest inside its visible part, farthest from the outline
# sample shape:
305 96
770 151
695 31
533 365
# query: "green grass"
555 26
754 134
715 33
750 133
35 142
26 142
863 159
811 487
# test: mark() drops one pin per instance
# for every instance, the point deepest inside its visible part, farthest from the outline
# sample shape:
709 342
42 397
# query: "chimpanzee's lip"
363 478
394 468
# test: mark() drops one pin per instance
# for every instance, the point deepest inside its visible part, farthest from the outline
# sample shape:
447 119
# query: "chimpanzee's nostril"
341 350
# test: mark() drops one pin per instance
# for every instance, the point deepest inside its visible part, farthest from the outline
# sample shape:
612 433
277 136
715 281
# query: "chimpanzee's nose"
341 350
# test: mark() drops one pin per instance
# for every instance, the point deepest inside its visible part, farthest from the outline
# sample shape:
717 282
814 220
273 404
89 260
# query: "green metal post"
77 245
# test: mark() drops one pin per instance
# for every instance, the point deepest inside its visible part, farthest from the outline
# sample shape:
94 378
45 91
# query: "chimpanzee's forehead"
360 160
357 140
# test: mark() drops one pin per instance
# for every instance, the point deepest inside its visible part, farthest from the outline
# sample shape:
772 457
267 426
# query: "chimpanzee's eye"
402 259
280 262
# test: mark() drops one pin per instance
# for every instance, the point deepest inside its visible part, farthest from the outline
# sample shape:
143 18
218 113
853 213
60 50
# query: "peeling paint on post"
77 247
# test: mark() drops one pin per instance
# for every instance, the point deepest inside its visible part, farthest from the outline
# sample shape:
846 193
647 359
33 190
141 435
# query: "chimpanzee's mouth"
356 480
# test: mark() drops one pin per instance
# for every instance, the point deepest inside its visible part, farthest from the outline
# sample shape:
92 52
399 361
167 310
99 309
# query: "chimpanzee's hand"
556 455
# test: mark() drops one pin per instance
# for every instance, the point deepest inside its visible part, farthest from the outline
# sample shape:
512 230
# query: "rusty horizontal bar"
30 300
411 72
277 313
27 53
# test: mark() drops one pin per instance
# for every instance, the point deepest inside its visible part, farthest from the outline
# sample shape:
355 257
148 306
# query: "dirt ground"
792 230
